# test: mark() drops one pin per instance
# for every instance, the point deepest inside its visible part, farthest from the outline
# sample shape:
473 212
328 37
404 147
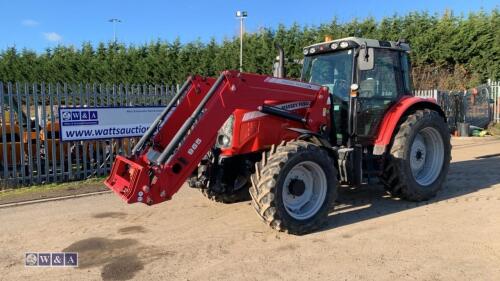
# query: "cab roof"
357 41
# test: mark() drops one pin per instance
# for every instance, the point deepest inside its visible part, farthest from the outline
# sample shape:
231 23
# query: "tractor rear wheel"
419 158
294 187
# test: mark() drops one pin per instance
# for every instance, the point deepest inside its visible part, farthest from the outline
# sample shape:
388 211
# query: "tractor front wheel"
294 187
419 158
239 195
225 182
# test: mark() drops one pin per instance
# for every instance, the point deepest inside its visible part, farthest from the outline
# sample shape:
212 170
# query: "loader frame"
166 155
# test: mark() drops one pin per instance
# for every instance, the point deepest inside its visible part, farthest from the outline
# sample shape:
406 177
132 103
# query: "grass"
50 187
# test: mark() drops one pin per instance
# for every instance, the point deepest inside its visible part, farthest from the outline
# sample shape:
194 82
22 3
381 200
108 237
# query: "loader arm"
177 141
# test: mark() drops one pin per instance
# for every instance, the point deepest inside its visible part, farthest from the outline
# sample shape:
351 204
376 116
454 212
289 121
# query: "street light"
241 15
114 22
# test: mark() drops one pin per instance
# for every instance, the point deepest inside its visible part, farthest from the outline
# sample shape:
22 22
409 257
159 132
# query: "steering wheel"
341 83
340 87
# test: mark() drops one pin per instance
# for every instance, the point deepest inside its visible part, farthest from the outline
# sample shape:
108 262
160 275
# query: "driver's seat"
367 88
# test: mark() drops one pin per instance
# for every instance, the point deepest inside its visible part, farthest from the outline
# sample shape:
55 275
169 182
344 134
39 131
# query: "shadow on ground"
466 177
119 259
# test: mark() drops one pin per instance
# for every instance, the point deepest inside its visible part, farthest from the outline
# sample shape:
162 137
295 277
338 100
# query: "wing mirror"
365 58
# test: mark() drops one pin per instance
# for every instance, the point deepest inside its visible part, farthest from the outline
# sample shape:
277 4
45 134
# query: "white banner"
87 123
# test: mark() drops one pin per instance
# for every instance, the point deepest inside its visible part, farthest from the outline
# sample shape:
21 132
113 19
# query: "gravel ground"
369 235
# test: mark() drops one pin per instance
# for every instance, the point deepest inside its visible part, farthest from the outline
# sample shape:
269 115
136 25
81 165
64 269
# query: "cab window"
332 70
383 81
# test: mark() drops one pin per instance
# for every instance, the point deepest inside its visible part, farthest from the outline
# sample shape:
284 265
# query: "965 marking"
194 146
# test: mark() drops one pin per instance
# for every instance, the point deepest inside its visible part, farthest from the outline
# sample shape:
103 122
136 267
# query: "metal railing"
495 96
477 106
31 151
427 93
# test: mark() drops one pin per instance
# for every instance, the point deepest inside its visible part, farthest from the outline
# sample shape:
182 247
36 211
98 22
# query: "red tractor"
289 144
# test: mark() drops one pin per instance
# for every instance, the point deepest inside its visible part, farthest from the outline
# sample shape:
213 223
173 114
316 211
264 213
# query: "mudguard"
395 115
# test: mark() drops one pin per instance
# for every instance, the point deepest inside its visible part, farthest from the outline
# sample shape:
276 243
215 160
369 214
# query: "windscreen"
333 70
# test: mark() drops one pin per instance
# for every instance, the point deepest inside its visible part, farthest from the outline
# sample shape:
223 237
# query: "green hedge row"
449 51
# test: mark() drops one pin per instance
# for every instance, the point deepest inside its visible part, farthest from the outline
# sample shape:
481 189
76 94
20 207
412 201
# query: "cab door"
379 88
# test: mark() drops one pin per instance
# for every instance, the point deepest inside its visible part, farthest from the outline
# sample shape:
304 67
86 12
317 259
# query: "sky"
38 25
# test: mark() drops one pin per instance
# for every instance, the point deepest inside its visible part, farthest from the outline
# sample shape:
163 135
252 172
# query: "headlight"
306 51
312 50
334 46
344 44
223 140
225 135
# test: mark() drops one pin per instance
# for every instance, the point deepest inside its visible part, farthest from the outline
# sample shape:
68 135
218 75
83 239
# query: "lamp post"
241 15
114 22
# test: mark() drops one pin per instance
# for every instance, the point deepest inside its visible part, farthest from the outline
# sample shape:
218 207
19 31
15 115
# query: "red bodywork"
394 114
256 131
136 179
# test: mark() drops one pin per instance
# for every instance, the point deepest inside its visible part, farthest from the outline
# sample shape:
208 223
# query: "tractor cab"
380 70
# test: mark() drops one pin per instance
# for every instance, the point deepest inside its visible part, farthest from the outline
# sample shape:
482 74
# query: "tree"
447 51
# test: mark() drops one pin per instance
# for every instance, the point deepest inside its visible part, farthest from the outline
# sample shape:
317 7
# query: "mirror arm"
365 46
281 72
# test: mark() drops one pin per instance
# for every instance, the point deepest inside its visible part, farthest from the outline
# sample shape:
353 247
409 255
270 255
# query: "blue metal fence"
31 151
477 106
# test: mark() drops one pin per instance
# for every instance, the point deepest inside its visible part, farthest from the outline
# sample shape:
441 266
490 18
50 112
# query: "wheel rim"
427 156
304 190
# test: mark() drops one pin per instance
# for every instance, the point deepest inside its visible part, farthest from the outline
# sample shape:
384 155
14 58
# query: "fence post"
62 159
12 123
52 132
20 117
29 130
496 99
4 133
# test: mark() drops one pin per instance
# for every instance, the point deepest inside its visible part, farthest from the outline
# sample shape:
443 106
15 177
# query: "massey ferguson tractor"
290 144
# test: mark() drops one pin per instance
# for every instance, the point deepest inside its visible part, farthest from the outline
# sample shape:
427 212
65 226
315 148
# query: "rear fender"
396 114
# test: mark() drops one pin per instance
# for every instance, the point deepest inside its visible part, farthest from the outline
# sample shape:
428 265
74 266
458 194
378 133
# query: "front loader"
289 144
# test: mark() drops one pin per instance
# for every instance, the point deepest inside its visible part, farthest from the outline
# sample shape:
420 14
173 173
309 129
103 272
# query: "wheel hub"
296 187
304 190
427 156
418 153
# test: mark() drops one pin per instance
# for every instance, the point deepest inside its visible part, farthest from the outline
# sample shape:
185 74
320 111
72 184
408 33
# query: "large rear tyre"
418 162
294 187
